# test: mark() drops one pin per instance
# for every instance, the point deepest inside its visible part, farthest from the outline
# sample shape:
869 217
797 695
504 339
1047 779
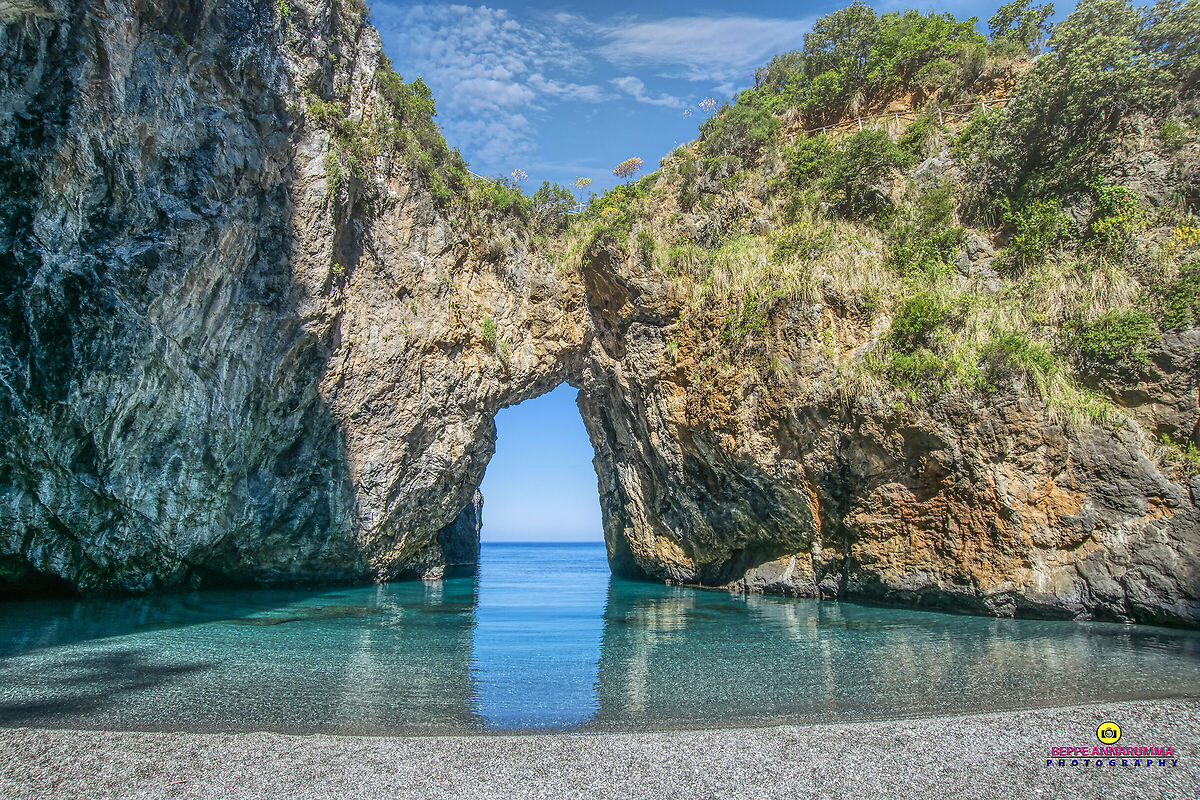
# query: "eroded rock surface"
213 371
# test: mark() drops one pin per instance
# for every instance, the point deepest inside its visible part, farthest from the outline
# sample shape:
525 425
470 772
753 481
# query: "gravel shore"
975 756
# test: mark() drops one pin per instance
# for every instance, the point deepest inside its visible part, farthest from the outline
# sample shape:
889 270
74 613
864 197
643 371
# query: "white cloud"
726 89
705 48
486 69
491 72
567 91
637 90
497 141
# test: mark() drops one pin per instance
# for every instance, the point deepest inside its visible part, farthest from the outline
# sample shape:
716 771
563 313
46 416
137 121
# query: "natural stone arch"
216 368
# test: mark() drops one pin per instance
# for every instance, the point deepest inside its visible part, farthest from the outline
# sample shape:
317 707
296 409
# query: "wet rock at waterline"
227 357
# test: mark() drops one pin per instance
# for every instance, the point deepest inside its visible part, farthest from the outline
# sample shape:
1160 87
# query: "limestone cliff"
243 343
767 478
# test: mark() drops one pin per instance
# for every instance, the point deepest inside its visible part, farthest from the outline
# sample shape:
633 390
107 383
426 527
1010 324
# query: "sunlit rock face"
768 476
213 371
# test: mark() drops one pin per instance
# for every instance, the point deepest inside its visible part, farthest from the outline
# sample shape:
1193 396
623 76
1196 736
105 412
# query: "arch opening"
543 565
541 485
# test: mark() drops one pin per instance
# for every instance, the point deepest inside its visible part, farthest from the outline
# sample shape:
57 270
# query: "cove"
545 639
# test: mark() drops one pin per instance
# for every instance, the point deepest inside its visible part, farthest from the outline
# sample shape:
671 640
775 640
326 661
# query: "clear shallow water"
544 638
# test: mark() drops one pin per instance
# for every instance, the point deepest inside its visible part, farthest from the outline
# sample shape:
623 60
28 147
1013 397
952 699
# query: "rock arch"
214 369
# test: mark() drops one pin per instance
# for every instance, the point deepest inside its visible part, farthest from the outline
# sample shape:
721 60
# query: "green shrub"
778 72
689 177
1108 61
403 126
741 130
910 41
935 75
1022 24
854 52
1118 216
852 59
928 239
552 204
325 112
1183 456
915 140
922 369
1180 300
974 138
856 169
1012 357
1174 134
620 197
1036 229
505 196
612 214
806 157
919 321
408 102
799 201
1117 337
489 332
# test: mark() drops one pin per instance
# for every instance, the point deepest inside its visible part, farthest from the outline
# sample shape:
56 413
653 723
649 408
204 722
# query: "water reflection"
544 638
363 660
676 657
536 643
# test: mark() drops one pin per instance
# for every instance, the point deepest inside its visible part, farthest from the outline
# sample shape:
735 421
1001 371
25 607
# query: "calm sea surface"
544 638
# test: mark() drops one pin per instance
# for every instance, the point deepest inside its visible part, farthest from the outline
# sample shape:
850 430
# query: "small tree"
858 168
1023 24
551 204
628 167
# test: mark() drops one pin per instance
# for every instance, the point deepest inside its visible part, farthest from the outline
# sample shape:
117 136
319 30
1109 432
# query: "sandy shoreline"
975 756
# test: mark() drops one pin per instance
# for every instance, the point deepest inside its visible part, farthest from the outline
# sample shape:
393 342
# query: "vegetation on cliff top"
396 130
1032 246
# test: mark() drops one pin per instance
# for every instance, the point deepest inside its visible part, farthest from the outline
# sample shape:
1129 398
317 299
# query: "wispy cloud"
568 91
637 90
495 75
716 49
487 70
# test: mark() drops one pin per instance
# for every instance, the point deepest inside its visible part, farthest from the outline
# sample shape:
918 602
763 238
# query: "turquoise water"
545 639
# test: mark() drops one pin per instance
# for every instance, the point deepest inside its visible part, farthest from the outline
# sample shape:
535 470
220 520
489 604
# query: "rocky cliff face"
216 366
766 479
212 369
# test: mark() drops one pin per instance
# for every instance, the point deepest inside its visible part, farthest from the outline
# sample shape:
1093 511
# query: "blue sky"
568 90
540 485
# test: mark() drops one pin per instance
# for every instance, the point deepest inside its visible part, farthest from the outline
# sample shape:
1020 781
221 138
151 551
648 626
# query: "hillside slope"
872 363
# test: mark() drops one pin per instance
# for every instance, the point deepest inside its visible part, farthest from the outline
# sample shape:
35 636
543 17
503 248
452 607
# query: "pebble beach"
971 756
